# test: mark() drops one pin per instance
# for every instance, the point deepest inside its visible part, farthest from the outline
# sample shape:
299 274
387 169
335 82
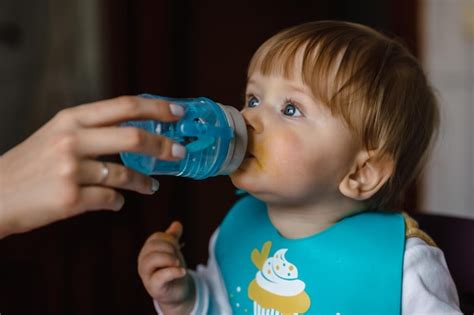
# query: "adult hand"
54 173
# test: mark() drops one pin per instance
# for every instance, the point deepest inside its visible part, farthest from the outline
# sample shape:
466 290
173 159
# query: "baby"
340 118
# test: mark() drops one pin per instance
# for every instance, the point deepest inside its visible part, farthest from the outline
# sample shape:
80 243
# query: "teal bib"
352 268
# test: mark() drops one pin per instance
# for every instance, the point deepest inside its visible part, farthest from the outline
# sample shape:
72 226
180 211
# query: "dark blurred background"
59 53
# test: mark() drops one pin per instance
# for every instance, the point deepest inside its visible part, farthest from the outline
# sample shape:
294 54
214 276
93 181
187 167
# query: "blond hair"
370 80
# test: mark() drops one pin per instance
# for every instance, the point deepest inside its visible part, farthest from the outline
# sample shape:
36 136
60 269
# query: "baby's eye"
252 101
291 110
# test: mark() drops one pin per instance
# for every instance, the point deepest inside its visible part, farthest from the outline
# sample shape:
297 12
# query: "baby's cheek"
283 153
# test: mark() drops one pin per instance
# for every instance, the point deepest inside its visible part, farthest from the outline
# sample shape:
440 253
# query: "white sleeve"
211 294
427 284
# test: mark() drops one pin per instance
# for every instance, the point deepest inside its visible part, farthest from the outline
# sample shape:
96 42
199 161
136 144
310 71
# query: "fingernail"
155 185
119 203
178 151
176 110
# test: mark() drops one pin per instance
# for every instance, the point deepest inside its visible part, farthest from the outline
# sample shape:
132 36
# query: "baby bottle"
215 137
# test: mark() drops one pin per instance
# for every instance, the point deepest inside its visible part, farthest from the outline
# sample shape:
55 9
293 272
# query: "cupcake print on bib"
276 288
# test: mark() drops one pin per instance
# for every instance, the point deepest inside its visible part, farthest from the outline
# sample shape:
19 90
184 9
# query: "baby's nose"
253 121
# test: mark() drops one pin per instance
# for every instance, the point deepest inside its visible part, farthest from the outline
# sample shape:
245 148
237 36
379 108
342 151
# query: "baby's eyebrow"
298 88
251 82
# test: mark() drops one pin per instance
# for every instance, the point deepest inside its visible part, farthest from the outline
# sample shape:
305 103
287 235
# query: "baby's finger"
156 238
166 245
152 261
123 108
162 277
157 245
175 230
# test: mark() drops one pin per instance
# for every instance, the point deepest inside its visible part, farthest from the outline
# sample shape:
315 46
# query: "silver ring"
104 173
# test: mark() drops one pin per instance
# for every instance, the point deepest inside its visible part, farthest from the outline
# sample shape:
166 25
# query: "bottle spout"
238 145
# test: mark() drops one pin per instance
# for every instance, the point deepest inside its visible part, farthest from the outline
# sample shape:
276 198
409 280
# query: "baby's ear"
368 174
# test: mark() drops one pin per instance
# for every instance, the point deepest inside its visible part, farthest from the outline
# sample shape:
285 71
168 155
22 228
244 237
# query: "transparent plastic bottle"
215 137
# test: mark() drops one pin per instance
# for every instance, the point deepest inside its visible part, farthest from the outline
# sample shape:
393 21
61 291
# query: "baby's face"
298 152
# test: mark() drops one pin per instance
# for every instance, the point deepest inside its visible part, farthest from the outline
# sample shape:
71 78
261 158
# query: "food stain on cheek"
259 155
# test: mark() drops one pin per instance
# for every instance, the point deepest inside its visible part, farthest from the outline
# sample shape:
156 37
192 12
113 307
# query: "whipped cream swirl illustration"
279 276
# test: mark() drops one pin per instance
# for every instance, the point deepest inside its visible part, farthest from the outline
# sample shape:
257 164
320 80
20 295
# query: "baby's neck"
301 221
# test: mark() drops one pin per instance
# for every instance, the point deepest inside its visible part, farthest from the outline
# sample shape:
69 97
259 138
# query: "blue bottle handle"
206 134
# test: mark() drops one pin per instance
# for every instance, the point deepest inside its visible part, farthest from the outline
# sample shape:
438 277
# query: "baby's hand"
162 269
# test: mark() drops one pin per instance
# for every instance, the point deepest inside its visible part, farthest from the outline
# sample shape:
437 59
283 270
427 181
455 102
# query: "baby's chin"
241 180
249 186
237 179
252 181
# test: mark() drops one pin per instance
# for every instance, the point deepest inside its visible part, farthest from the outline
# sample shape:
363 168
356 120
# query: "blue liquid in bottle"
215 137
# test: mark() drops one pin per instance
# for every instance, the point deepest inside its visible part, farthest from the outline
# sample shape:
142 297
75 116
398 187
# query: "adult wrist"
8 223
4 221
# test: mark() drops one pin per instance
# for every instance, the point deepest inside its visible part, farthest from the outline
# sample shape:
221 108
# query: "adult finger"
98 198
123 108
111 140
113 175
